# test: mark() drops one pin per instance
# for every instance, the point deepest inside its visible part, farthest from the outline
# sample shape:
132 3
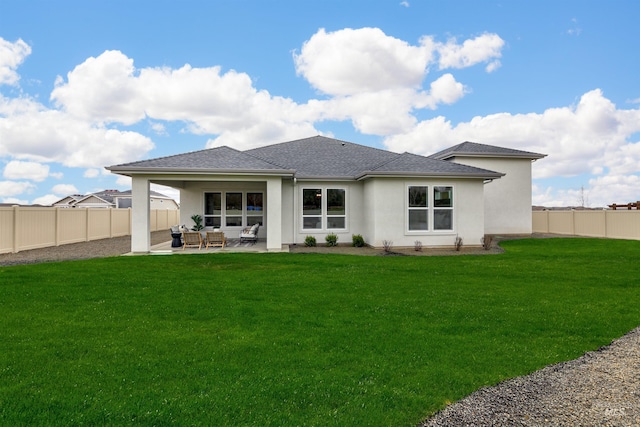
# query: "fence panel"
36 227
604 223
561 222
6 229
98 224
120 222
72 226
623 224
590 223
23 228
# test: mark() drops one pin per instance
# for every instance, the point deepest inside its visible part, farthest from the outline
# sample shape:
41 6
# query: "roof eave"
529 156
181 171
324 178
378 174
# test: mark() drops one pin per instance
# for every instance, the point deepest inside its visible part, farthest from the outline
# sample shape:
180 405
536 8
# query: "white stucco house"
318 185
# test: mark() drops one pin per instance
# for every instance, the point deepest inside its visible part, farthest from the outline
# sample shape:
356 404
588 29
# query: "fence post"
87 223
16 225
57 215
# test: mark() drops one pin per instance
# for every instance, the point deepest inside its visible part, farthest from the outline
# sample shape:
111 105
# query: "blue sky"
88 84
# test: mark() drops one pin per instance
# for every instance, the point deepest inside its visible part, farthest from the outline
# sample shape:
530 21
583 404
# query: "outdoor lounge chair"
215 239
192 239
250 233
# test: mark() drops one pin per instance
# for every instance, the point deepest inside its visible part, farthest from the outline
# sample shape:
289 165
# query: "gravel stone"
83 250
601 388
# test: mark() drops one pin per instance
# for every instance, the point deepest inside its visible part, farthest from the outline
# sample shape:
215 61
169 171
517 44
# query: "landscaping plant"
197 220
331 239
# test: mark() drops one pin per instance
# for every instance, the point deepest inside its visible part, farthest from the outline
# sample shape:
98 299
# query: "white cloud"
15 201
354 61
484 48
167 191
574 30
123 181
33 171
14 188
46 200
30 131
91 173
64 189
592 137
11 56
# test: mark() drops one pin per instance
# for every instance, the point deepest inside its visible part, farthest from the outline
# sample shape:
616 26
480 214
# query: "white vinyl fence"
23 228
614 224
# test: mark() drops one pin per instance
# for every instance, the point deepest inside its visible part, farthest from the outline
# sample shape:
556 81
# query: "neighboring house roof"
96 198
69 200
473 149
105 197
317 157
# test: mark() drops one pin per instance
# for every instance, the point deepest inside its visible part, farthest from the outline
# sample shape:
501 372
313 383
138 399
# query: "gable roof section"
408 164
318 158
212 160
473 149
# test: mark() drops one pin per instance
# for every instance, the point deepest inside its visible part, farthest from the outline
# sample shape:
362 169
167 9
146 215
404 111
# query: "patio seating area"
231 245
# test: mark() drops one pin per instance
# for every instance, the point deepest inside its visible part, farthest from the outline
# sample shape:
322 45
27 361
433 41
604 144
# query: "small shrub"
486 241
387 245
458 243
358 240
310 241
331 239
417 246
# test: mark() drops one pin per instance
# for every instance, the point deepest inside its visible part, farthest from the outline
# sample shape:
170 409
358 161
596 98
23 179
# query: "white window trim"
245 212
323 215
430 209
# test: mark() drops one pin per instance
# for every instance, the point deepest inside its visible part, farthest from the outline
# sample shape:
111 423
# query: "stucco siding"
354 223
507 200
386 199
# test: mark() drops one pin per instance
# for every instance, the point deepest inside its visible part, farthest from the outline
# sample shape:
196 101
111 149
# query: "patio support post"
274 214
140 215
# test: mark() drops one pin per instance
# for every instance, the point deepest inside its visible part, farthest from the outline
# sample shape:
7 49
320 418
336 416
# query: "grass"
299 339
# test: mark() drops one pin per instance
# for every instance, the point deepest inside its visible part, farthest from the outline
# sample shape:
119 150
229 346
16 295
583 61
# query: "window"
233 210
418 208
213 210
324 208
312 208
254 208
423 216
233 213
336 209
443 208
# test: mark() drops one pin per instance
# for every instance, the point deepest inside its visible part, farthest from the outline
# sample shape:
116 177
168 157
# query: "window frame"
212 216
245 214
431 209
324 216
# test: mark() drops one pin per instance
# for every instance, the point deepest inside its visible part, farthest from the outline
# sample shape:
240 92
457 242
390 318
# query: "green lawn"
299 339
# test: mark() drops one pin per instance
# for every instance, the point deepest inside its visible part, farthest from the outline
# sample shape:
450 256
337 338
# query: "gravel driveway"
601 388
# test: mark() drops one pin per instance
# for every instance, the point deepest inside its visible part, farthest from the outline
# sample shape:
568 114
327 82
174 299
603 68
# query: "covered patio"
233 245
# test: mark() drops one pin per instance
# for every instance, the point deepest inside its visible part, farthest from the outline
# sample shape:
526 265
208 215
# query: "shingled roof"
317 157
473 149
